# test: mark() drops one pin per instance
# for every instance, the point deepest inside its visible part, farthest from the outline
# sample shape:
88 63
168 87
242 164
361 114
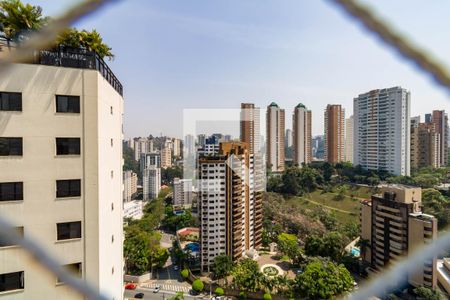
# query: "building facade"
334 136
166 157
425 145
151 182
230 214
250 127
440 121
129 185
133 209
393 227
275 138
349 139
301 135
382 130
182 192
61 142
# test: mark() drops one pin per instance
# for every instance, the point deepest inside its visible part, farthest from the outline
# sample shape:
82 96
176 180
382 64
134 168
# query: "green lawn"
346 210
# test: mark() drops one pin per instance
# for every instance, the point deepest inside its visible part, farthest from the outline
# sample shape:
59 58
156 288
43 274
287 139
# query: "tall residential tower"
301 125
275 138
334 133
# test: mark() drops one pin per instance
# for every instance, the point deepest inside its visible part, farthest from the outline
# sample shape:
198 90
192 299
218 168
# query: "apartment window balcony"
11 191
12 281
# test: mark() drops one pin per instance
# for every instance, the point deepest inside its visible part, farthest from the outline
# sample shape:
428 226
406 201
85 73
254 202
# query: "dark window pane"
74 269
11 191
70 230
67 104
10 146
11 281
67 146
10 101
4 243
68 188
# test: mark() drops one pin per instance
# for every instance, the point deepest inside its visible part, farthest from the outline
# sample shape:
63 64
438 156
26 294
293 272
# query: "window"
10 146
111 109
11 191
74 269
68 188
67 146
10 101
69 230
11 281
67 104
4 243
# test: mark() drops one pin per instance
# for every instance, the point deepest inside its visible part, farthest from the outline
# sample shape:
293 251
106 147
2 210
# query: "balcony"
69 58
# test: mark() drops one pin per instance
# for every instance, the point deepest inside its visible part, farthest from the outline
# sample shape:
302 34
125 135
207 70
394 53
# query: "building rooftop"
67 57
273 104
301 105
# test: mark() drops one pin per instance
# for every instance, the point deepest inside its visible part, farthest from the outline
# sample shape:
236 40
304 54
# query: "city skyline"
280 38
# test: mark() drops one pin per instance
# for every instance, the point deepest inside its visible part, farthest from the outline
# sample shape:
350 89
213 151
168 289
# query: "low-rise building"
133 209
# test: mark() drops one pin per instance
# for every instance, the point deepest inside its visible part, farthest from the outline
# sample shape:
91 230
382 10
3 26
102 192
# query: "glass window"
4 243
11 191
10 146
69 230
74 269
11 281
67 146
67 104
68 188
10 101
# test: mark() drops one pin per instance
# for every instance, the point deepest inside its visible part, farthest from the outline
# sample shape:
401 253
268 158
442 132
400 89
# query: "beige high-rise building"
393 226
176 148
182 192
129 185
425 145
275 138
61 179
334 133
301 132
250 127
440 120
230 212
349 139
166 158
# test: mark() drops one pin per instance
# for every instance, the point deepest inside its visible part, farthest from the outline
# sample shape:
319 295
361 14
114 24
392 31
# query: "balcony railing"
69 58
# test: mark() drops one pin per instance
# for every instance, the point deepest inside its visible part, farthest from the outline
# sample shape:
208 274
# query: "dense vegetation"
19 20
142 250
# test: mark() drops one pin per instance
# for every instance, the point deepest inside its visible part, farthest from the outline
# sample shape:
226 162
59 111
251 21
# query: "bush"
198 285
267 296
184 273
219 291
242 296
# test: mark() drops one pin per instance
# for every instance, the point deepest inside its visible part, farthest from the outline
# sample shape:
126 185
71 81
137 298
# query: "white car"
156 288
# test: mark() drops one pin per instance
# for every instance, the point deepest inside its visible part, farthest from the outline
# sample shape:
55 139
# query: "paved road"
149 295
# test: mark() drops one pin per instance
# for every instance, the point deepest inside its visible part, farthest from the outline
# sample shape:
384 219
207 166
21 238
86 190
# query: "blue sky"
177 54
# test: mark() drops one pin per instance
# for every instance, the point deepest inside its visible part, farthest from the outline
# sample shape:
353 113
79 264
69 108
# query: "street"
148 294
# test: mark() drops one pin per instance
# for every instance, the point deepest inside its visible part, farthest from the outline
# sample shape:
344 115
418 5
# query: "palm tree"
18 19
90 40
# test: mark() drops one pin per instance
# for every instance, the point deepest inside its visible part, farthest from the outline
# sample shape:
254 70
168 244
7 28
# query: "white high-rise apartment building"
301 125
151 175
166 157
275 138
61 179
182 192
176 148
382 130
142 145
349 139
288 138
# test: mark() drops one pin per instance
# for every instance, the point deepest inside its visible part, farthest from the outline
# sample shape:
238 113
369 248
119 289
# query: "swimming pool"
355 251
193 247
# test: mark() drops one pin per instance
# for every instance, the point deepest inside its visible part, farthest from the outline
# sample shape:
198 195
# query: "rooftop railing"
70 58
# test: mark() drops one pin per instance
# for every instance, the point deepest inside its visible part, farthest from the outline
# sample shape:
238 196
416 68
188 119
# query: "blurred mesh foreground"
27 52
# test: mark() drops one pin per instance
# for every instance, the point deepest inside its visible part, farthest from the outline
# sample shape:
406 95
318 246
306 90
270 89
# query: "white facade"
142 145
301 125
349 139
182 192
166 157
275 138
382 130
176 147
151 182
98 168
288 138
133 209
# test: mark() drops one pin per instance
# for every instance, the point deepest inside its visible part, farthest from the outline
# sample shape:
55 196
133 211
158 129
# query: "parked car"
139 296
193 292
130 286
156 288
176 268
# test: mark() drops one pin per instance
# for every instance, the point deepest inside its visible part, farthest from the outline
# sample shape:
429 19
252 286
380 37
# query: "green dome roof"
301 105
273 104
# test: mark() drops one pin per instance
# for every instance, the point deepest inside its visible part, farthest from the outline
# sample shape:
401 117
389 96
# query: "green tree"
129 162
198 285
288 245
18 19
246 275
222 266
178 296
184 273
168 174
136 252
322 279
426 180
330 245
159 257
89 40
219 291
267 296
328 171
424 293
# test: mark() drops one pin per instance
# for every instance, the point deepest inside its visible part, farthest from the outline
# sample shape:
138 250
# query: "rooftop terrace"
69 58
